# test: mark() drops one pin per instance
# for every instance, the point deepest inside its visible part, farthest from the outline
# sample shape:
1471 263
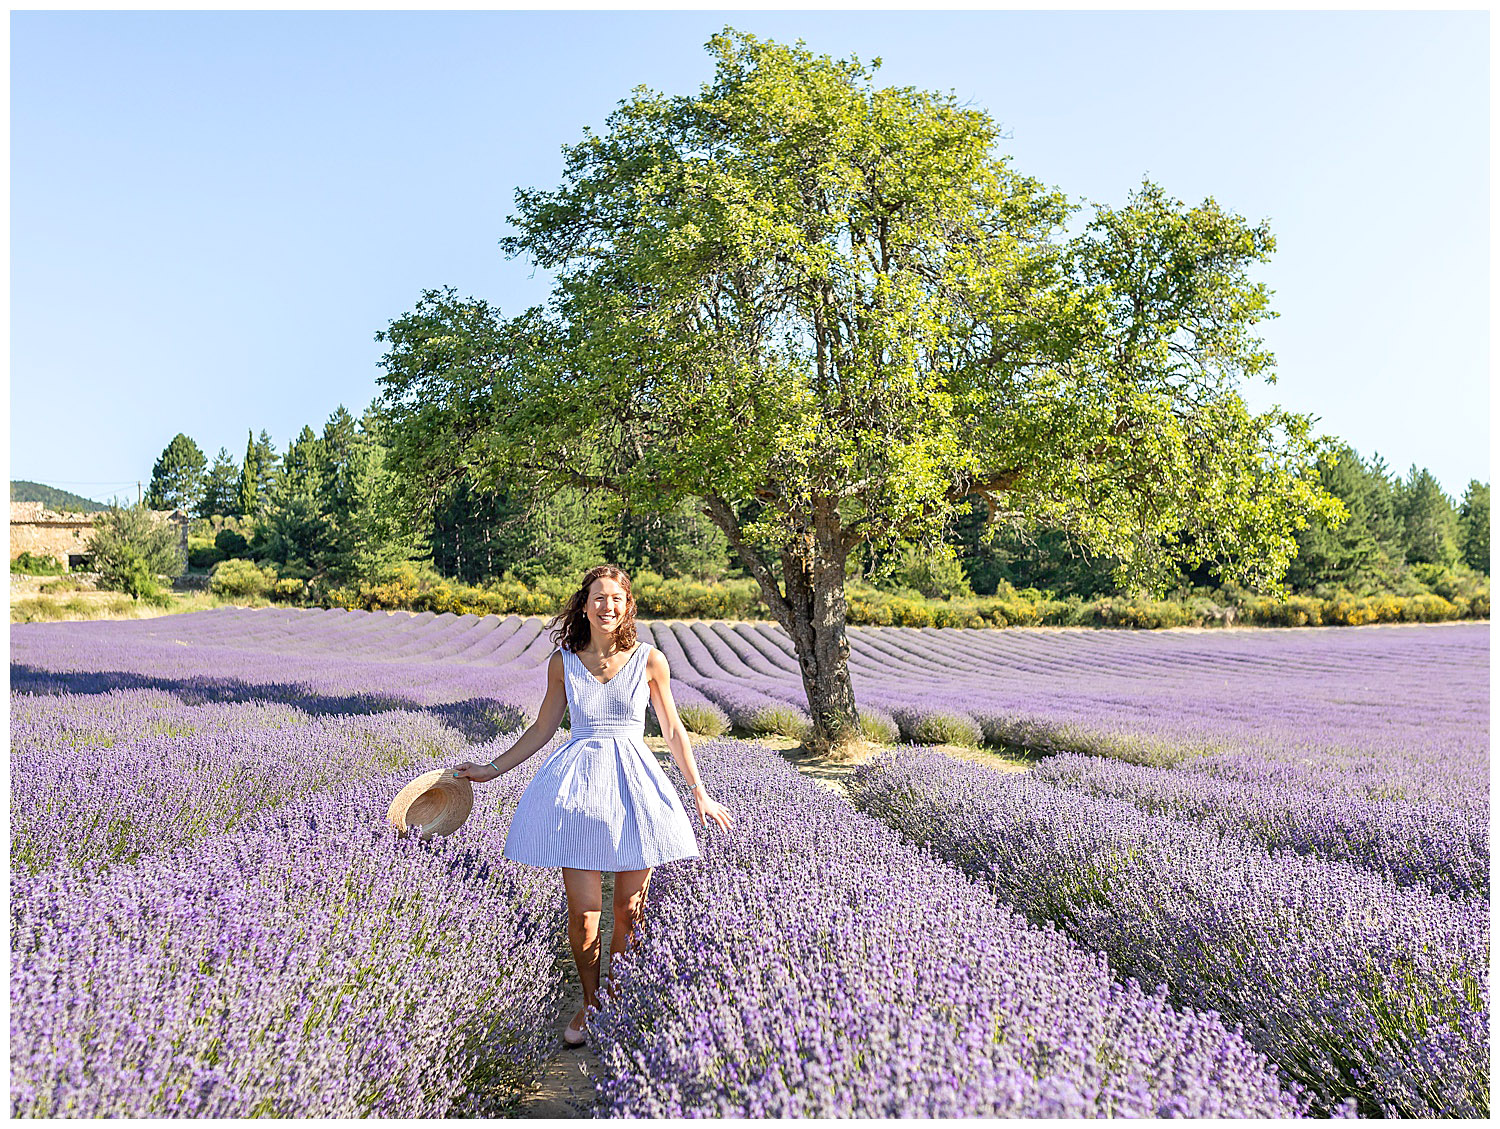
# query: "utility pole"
137 491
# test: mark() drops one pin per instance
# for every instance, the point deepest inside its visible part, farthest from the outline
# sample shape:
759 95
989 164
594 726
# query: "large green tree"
829 314
177 478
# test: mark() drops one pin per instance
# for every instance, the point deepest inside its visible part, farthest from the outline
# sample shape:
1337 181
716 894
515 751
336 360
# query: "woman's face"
605 606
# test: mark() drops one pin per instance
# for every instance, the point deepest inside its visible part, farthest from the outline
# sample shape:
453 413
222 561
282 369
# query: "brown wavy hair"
570 626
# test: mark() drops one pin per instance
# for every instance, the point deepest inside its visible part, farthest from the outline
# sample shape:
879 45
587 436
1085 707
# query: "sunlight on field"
1282 852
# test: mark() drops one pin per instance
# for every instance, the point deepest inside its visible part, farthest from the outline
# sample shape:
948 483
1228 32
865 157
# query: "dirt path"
566 1087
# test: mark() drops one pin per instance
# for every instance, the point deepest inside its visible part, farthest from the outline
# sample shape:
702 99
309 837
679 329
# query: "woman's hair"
570 626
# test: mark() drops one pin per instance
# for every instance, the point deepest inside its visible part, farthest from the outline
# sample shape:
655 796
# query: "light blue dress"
601 801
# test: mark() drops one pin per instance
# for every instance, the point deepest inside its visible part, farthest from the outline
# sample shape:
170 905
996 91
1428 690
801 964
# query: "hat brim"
437 801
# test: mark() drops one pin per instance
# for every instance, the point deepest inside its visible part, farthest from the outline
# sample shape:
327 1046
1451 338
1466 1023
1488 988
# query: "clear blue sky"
213 213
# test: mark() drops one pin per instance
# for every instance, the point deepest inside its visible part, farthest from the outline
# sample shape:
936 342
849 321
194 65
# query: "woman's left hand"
710 808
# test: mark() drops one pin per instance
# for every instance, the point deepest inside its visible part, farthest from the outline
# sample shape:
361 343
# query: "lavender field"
1248 875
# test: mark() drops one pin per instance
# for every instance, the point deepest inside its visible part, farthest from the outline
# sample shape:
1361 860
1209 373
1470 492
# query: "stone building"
42 532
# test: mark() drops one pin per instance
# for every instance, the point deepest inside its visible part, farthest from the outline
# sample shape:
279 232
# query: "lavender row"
812 963
102 801
58 661
1443 848
1404 708
1353 986
312 964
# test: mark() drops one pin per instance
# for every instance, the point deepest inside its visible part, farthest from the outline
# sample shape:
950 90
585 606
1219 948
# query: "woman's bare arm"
672 729
676 737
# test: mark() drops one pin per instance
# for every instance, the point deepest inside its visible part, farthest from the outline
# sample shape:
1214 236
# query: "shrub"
289 588
131 546
705 718
231 543
878 726
36 565
783 720
205 557
937 727
62 584
241 578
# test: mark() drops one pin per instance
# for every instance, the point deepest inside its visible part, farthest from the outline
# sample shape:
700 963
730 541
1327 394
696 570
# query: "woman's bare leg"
585 903
629 904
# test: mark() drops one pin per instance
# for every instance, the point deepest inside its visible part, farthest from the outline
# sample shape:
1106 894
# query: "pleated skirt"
600 803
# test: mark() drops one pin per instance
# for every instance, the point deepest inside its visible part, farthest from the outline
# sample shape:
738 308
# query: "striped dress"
601 801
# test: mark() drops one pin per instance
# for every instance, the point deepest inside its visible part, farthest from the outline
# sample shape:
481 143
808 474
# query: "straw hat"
437 800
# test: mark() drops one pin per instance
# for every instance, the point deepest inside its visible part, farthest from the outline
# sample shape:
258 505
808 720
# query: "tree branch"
722 514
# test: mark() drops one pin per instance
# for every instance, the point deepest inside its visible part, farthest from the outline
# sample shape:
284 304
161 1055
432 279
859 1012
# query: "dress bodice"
616 708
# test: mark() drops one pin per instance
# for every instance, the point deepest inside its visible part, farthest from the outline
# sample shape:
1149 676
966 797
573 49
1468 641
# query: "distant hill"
63 501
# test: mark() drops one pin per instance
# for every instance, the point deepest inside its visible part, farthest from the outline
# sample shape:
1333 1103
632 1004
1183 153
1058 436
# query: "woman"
601 801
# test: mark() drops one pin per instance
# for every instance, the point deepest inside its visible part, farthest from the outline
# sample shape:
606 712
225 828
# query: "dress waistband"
636 731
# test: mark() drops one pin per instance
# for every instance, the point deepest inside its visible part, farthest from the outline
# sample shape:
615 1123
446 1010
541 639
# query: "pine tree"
248 502
177 478
268 463
1348 555
1474 526
221 486
296 528
1428 521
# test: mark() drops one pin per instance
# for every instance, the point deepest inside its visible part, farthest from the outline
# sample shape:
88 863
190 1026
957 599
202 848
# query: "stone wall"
42 532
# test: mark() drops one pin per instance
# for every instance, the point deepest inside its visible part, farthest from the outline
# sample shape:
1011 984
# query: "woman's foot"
573 1034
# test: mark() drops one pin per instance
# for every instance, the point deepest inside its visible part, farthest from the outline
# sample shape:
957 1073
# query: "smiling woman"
601 802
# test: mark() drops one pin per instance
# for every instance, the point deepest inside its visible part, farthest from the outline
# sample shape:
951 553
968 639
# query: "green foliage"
221 486
31 565
1429 523
933 573
1365 550
1474 526
231 542
205 557
943 339
258 474
137 581
482 534
240 578
703 720
681 542
132 543
330 516
177 478
60 501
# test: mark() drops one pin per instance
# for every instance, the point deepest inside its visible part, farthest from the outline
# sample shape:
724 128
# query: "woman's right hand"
476 772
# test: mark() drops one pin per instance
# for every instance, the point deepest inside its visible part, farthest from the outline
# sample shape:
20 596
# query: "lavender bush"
814 964
310 964
96 783
1353 986
1411 843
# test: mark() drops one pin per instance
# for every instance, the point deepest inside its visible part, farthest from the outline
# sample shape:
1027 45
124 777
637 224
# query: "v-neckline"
617 674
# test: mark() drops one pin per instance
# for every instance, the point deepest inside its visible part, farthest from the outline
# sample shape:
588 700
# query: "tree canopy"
828 314
177 477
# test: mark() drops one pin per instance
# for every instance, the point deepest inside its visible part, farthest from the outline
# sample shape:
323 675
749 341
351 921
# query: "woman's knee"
586 920
630 897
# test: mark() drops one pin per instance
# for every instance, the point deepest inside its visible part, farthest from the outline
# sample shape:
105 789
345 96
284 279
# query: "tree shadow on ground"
477 719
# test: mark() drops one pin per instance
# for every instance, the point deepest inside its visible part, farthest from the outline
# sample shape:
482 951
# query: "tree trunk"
813 612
